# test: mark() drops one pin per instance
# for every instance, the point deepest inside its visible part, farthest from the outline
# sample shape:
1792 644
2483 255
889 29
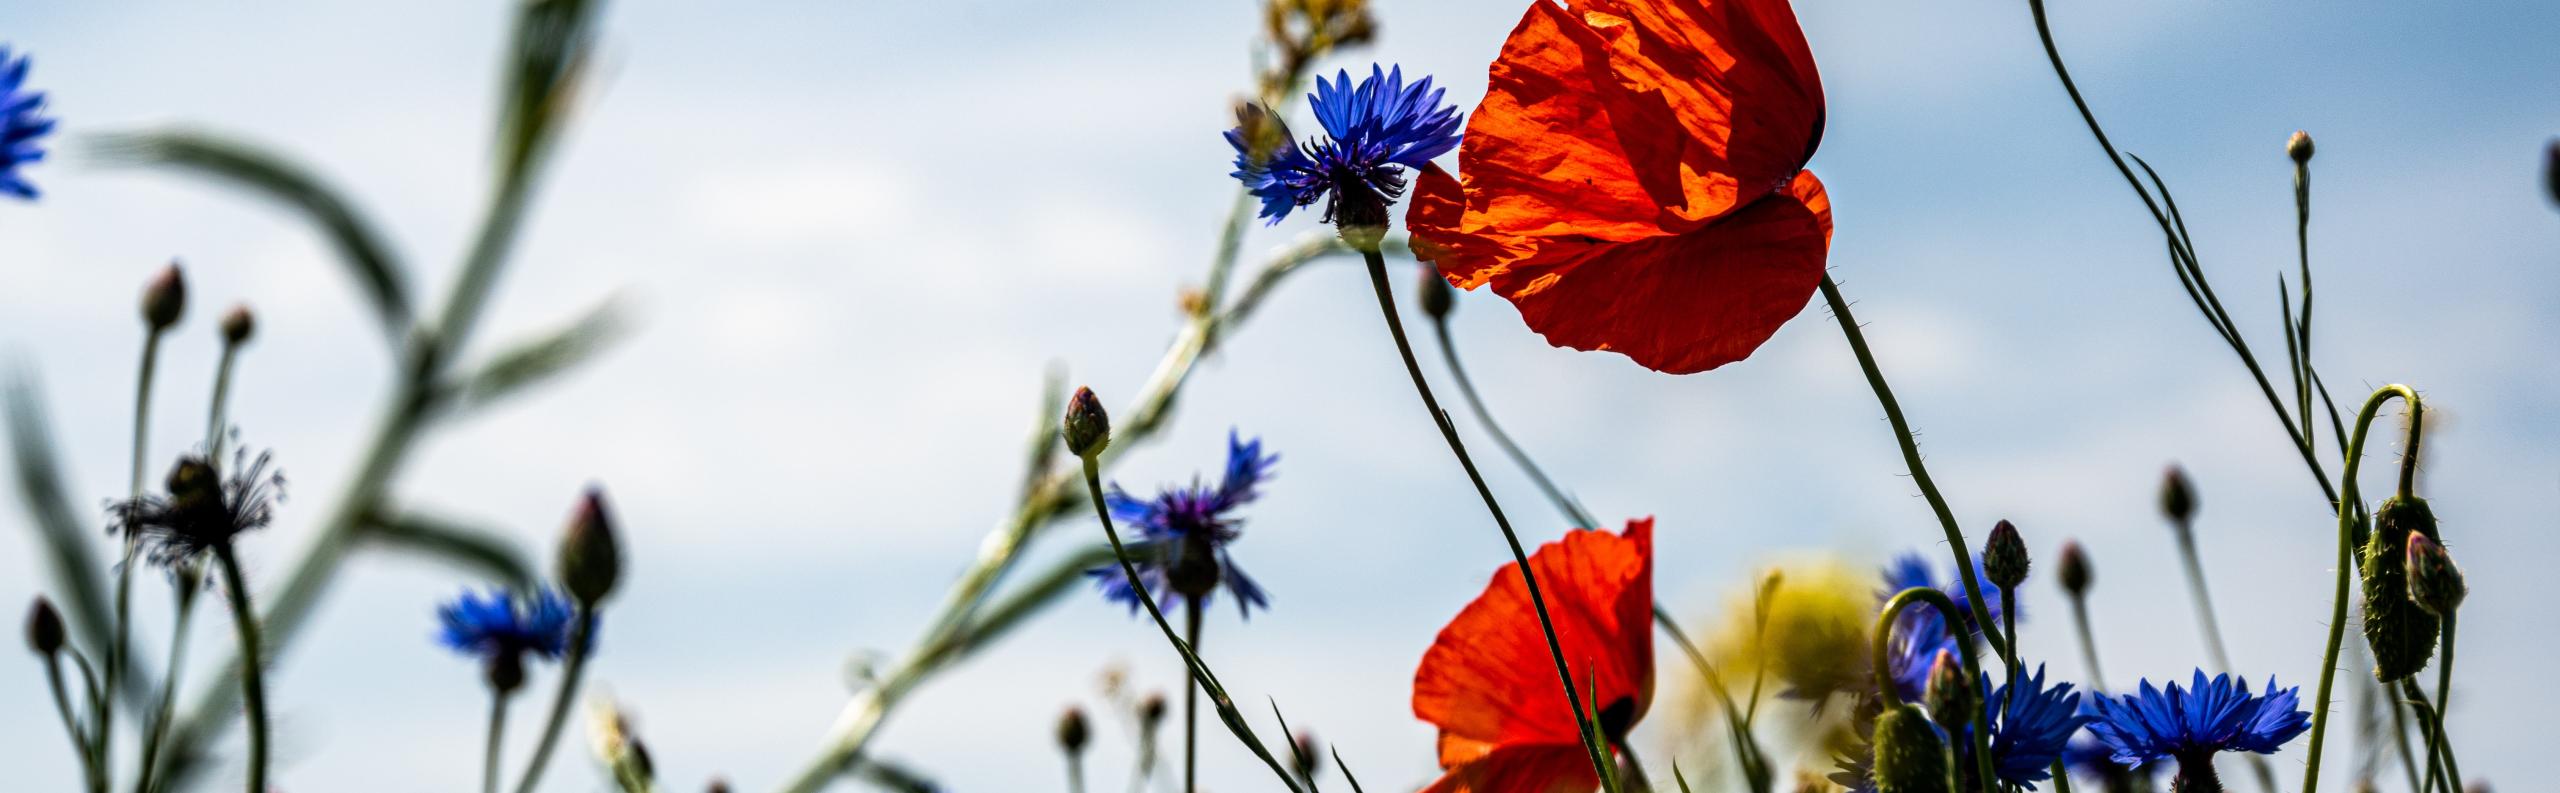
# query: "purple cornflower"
22 125
2192 725
505 622
1372 133
1183 534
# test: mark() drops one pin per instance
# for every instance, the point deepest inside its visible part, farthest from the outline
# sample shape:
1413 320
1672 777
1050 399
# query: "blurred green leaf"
551 44
1346 770
59 530
485 552
541 358
888 775
243 165
1018 606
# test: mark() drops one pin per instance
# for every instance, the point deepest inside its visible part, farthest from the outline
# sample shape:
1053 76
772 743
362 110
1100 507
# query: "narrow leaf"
539 359
479 551
62 535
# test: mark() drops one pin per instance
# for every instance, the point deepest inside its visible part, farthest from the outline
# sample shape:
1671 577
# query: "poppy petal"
1488 681
1522 769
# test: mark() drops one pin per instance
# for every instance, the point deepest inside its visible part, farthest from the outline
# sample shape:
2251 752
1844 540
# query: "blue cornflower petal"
1921 632
506 622
2031 728
1196 513
1373 131
2192 724
22 125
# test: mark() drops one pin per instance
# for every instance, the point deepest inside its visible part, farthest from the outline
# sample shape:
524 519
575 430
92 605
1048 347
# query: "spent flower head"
1373 131
23 125
1184 531
201 510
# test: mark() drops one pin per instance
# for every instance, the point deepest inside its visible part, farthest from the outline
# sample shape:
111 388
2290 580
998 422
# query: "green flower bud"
1073 732
237 325
2004 556
2177 497
2298 147
1911 753
165 300
1950 694
590 554
2435 584
2401 634
2073 569
1086 427
44 628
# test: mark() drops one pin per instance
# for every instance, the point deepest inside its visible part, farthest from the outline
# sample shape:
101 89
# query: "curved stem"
2438 749
1199 670
572 670
253 689
1563 502
1981 615
1972 665
1600 764
71 724
2348 498
1191 704
497 742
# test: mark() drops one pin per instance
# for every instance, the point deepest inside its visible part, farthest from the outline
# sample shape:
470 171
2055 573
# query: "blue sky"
857 232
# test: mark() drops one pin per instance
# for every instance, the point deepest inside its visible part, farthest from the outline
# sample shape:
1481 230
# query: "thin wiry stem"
167 709
2346 563
572 670
71 724
1563 501
253 688
1600 764
497 742
1881 639
119 653
2205 619
2437 745
2088 642
1191 703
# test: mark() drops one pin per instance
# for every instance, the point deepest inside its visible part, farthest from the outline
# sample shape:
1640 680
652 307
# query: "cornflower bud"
2435 584
1950 693
2004 556
2401 634
44 628
2073 569
1435 295
1911 753
2177 497
1073 732
237 325
165 300
1086 427
2298 147
590 554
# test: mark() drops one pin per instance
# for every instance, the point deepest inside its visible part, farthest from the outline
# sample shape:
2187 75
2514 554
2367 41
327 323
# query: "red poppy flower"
1490 685
1634 179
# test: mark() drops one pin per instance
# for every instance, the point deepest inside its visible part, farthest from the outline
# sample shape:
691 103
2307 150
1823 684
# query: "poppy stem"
2347 501
1200 673
1600 764
1191 703
1883 637
573 669
253 689
1981 615
2437 746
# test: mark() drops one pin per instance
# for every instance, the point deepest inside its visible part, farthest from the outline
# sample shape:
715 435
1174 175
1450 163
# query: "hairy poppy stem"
1600 764
1882 637
2347 501
1981 616
572 670
2439 749
253 688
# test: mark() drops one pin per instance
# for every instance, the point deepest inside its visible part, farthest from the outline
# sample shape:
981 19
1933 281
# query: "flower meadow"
1634 186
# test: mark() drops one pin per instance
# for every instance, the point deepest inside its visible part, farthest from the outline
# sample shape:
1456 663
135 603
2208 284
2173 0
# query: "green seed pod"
1911 753
2401 634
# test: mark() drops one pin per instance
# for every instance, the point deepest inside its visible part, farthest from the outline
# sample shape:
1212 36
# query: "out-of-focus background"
858 232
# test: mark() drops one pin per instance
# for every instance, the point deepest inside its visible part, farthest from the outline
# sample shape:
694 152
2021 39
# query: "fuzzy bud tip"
1073 732
1911 753
1086 427
1435 294
1151 711
1950 692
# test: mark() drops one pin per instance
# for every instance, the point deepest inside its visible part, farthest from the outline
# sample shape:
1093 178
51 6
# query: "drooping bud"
1950 694
2401 634
590 553
238 324
1073 732
165 300
1435 294
1303 759
1911 753
1086 427
2177 497
2073 569
2004 556
2435 584
44 628
2298 147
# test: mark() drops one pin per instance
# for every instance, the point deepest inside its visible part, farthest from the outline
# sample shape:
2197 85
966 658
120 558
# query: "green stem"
1075 774
2088 642
253 690
1972 665
1191 703
1200 674
2203 597
1746 748
2302 240
2400 736
2009 629
167 708
71 724
118 653
1563 502
1589 733
2437 746
573 670
1981 615
2346 560
214 418
497 741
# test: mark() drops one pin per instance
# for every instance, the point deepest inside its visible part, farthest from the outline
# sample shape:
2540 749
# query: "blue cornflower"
506 624
2029 730
1372 133
1183 534
2191 725
1921 632
22 124
2090 757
